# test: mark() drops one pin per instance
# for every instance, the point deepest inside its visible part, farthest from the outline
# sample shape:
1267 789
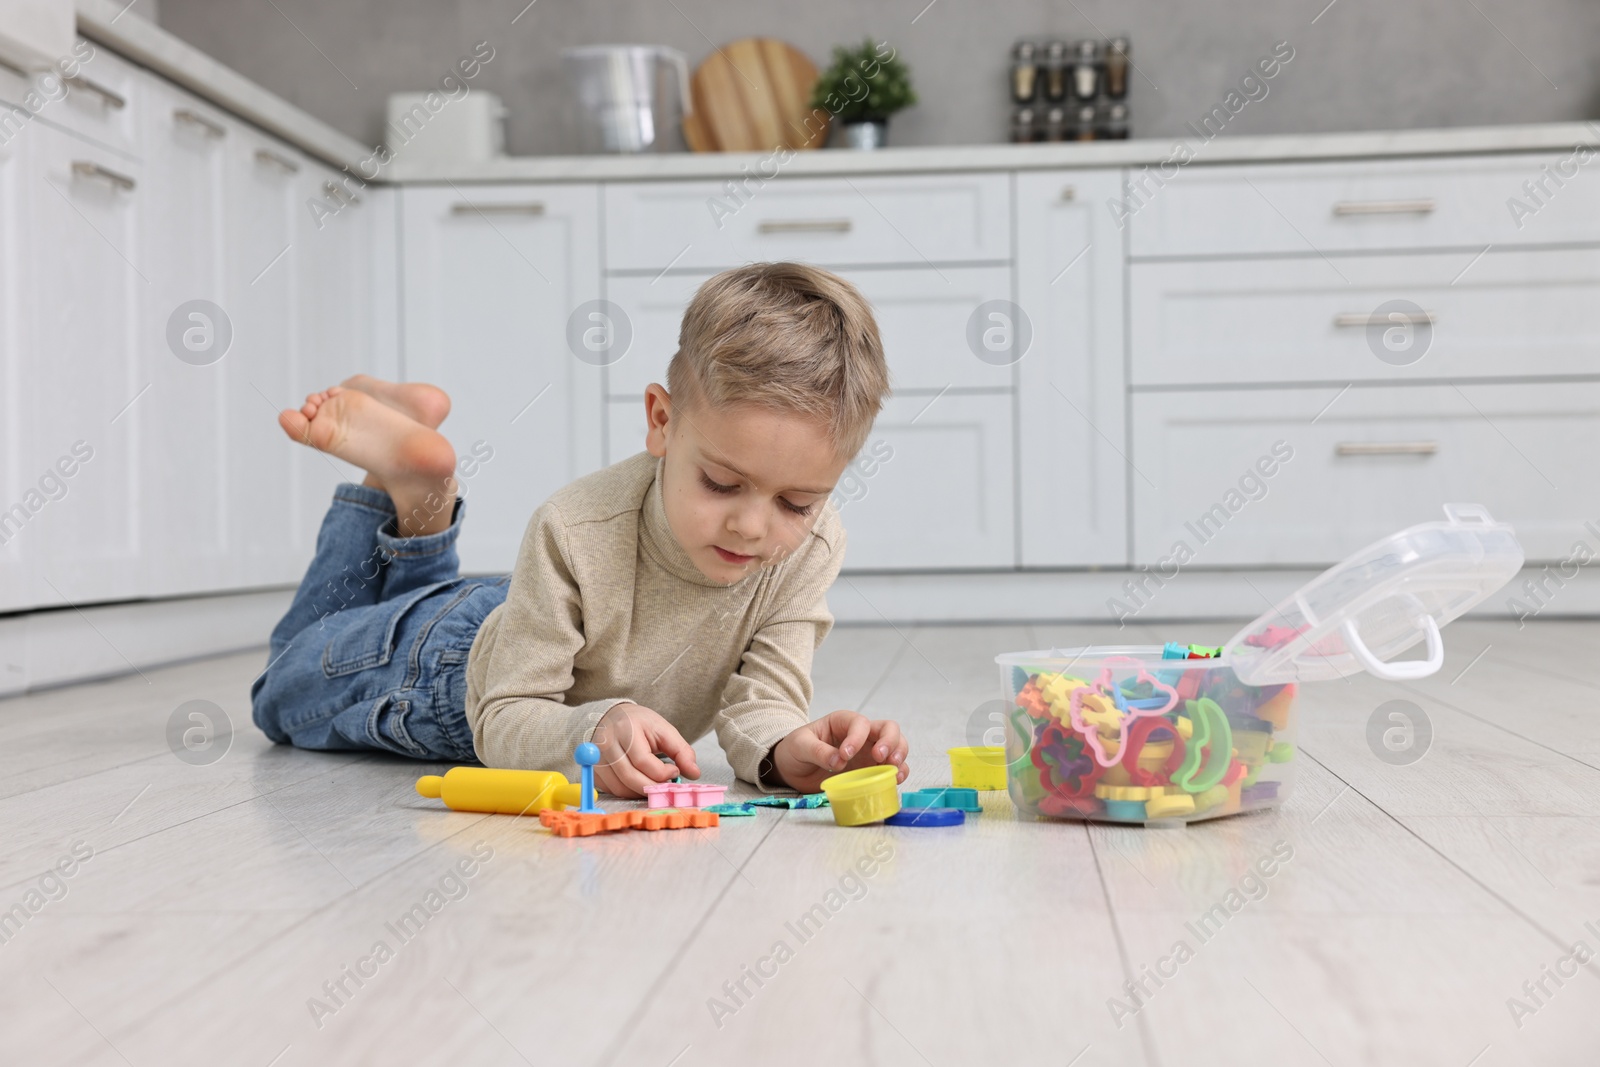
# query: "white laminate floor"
233 913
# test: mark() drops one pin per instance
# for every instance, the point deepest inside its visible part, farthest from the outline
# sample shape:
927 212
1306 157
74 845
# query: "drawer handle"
85 169
110 97
532 207
1363 319
1384 207
213 130
339 192
266 155
804 226
1386 448
1068 192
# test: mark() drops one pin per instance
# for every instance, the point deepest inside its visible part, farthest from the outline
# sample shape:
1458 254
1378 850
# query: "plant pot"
866 133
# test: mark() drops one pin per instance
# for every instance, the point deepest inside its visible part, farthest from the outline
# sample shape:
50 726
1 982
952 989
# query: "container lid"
1359 614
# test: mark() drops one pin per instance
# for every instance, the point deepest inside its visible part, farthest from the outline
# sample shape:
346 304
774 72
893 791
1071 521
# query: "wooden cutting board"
754 95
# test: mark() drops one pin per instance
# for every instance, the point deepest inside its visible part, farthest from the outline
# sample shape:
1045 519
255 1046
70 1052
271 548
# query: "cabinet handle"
1384 207
85 169
1365 318
214 130
804 226
339 192
1386 448
111 98
266 155
531 207
1069 192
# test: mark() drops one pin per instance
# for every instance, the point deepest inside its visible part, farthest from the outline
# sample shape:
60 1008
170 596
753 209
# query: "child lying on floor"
679 591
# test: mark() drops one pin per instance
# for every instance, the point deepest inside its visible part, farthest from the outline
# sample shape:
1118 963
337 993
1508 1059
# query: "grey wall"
1364 64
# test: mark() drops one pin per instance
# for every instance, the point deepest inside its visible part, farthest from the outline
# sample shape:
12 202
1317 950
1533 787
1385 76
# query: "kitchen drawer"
1527 312
922 318
1377 459
837 222
102 103
1304 209
932 489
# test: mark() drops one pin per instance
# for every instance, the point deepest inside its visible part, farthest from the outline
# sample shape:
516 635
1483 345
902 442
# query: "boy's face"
742 485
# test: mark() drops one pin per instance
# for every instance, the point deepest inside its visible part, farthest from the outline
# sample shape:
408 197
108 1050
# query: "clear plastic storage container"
1137 734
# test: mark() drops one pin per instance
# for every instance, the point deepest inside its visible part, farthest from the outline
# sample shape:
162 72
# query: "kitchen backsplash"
1356 65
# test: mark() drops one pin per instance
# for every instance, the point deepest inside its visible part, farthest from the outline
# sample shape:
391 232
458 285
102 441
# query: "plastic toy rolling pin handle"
499 792
1398 672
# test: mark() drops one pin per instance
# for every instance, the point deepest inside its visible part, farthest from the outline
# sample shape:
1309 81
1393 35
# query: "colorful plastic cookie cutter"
1170 806
1106 682
683 794
947 797
1125 810
1065 765
1212 743
1138 734
1173 650
588 823
927 817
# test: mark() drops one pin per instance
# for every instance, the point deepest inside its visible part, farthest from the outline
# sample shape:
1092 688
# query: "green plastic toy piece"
1210 729
1282 752
745 808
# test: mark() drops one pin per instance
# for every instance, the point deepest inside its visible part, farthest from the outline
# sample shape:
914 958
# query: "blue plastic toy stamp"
943 797
925 817
586 756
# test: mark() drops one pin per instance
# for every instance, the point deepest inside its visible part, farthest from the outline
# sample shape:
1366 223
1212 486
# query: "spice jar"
1023 127
1057 71
1084 128
1113 122
1024 72
1117 62
1086 71
1055 124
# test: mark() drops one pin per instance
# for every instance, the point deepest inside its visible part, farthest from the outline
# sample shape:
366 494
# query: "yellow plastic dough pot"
983 767
868 795
500 792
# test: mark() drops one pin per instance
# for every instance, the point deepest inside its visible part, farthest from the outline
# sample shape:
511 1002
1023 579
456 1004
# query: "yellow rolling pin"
500 792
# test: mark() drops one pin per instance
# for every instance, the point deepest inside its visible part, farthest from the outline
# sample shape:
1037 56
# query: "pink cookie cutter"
1106 683
683 794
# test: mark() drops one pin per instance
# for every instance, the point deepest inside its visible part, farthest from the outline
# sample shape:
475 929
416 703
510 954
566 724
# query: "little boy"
678 591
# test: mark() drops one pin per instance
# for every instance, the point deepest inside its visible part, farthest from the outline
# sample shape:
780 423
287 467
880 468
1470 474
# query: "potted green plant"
861 88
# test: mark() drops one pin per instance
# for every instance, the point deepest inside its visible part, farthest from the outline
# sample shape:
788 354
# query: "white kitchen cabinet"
102 104
18 586
82 377
1358 466
1071 397
492 277
1309 209
273 523
185 354
1515 313
909 220
932 489
922 318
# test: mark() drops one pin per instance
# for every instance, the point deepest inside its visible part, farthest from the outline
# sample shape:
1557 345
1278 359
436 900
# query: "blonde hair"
786 336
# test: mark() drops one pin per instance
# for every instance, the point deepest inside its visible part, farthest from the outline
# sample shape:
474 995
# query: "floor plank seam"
1498 726
612 1050
1146 1039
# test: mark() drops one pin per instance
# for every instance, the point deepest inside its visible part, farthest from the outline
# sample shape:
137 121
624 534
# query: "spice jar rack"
1070 90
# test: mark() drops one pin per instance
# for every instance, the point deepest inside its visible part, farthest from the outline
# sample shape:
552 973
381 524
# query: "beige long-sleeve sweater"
605 607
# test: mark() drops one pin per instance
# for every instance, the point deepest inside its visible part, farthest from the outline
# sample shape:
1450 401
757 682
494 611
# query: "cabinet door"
185 345
1072 439
273 527
81 373
18 587
492 277
337 287
1297 477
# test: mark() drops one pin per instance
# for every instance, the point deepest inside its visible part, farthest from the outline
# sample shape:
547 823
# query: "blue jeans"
372 653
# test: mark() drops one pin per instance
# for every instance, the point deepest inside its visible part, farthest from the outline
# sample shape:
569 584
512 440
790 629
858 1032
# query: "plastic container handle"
1398 672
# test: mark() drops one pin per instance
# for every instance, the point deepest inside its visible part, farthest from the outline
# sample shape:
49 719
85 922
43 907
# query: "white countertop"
144 42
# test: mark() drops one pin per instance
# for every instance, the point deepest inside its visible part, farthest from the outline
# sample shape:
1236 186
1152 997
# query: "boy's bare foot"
427 404
412 462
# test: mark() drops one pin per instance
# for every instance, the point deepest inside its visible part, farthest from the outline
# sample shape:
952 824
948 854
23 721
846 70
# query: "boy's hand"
629 737
841 741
